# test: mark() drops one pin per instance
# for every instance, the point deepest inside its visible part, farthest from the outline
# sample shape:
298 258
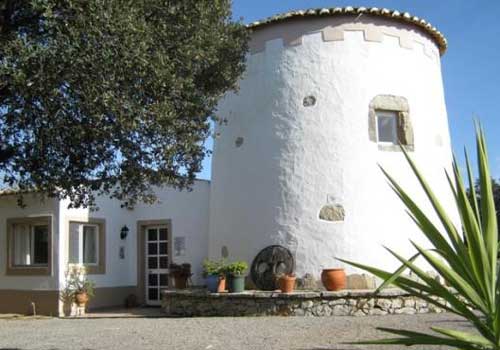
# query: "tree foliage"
112 97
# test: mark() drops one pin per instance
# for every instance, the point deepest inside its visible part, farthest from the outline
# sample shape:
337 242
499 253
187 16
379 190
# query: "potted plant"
79 286
235 276
181 273
334 279
67 297
286 282
213 271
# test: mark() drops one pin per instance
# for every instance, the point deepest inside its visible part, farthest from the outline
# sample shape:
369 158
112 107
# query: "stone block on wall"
361 281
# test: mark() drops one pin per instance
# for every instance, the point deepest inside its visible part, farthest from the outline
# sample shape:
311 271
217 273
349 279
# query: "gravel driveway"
298 333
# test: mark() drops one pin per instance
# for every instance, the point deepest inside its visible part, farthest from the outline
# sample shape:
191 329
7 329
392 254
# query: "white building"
327 96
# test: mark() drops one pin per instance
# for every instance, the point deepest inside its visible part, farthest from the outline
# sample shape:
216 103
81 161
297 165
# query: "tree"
112 97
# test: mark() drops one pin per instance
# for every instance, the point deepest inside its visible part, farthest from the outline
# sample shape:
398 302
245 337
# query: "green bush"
464 256
213 267
77 282
237 268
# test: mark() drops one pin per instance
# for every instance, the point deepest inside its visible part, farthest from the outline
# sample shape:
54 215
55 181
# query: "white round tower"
327 96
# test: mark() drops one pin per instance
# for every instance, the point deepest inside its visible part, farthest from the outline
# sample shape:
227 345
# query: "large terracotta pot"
333 279
81 299
287 283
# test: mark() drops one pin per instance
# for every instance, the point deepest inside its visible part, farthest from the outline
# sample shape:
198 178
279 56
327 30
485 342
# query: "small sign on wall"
179 246
122 252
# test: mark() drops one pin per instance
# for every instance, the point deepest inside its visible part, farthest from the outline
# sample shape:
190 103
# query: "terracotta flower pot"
287 283
221 286
81 299
333 279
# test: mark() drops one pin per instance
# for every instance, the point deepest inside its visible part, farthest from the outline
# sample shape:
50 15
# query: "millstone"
271 262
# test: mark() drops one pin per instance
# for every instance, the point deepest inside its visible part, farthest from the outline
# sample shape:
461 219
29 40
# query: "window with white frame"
387 127
30 244
84 244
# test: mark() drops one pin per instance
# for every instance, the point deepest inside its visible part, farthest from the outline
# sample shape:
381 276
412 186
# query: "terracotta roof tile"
396 15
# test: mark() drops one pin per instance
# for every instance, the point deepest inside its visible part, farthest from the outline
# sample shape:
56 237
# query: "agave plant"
465 257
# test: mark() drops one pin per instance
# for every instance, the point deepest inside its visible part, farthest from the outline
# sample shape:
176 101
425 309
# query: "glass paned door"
157 261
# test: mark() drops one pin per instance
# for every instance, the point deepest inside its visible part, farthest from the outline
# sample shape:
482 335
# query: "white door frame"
142 259
157 257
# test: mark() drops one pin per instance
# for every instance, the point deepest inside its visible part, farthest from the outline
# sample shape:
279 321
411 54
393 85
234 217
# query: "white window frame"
387 114
31 257
80 244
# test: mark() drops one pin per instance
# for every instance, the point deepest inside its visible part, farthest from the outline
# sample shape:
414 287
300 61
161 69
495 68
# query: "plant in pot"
79 286
334 279
181 273
286 282
213 271
235 273
67 297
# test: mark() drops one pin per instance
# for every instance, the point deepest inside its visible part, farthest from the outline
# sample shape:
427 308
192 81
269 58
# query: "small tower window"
387 124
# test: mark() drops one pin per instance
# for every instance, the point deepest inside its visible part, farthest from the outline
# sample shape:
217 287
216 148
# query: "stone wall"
259 303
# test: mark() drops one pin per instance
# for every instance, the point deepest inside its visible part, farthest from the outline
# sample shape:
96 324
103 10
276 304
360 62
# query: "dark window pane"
387 128
153 279
152 263
164 262
153 293
163 248
152 249
41 245
163 280
152 234
89 244
163 234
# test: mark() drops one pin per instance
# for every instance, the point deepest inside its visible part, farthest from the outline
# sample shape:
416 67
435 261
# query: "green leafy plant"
496 195
213 267
77 282
237 268
465 257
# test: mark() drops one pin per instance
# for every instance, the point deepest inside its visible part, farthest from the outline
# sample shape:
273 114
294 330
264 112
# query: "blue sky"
471 66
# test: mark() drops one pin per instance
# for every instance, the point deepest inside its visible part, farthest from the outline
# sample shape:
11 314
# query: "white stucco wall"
188 212
294 159
9 209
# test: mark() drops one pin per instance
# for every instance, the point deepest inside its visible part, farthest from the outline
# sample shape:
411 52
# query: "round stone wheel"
271 262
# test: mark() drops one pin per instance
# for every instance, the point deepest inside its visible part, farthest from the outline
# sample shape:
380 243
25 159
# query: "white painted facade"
277 163
295 159
186 211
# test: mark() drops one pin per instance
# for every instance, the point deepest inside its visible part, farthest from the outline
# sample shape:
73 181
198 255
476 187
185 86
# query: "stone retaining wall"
259 303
